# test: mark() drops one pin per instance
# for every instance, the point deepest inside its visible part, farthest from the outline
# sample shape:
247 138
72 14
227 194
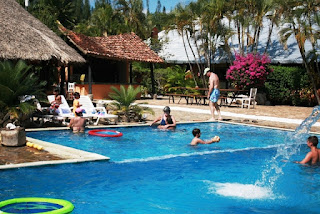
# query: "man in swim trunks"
213 93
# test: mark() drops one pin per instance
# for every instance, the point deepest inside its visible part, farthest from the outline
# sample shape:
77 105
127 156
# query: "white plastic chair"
71 90
95 112
251 100
71 87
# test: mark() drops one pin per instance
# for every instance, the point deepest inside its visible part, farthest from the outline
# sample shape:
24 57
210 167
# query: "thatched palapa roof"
116 47
22 36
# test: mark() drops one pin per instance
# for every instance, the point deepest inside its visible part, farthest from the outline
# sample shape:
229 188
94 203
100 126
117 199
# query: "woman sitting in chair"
54 107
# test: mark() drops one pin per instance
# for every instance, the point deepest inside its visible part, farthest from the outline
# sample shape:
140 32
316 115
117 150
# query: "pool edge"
69 155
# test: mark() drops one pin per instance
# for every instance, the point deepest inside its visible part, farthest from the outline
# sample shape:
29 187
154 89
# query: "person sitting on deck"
167 121
313 156
196 140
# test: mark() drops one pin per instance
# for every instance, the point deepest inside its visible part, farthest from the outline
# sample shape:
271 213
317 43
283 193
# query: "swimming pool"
217 178
146 143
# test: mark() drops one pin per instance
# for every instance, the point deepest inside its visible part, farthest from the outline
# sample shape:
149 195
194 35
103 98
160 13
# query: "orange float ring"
96 133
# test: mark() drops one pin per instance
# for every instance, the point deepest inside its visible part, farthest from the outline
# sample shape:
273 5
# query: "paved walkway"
234 115
289 117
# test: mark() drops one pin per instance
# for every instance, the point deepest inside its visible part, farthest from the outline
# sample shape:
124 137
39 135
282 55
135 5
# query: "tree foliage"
15 82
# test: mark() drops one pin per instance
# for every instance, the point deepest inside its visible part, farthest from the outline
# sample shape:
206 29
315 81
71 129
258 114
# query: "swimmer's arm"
71 123
156 120
199 141
307 159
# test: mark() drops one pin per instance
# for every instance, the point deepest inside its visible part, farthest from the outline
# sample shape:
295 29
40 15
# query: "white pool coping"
235 115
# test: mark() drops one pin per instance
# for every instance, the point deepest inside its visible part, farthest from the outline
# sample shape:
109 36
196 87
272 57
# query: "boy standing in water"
196 140
313 156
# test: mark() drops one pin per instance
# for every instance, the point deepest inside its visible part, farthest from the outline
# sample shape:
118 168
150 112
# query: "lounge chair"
95 112
64 112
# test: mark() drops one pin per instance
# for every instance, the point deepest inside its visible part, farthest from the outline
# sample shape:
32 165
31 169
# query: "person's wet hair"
313 140
166 109
195 131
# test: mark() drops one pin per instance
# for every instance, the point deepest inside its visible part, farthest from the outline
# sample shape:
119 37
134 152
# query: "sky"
169 4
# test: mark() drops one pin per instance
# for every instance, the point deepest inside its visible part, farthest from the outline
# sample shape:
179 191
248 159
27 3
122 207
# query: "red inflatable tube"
96 133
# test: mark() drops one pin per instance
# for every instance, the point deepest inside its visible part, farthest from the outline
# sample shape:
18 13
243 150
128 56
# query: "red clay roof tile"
118 47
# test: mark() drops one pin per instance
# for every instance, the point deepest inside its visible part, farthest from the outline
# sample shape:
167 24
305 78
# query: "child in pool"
196 140
313 156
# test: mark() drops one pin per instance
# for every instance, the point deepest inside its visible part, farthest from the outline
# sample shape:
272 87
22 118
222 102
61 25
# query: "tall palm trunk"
302 52
269 36
194 55
185 49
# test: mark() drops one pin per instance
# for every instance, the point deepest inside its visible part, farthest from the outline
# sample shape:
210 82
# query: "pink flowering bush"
249 71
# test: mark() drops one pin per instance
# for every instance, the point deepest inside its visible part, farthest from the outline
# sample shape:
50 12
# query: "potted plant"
16 86
124 103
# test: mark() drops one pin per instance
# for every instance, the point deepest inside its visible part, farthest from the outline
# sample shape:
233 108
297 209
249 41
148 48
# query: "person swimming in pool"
313 156
196 140
167 121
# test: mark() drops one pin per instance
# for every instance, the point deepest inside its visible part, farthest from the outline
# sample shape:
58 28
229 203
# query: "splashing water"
263 188
292 145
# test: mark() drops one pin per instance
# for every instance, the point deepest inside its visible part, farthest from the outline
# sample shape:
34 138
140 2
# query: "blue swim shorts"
214 96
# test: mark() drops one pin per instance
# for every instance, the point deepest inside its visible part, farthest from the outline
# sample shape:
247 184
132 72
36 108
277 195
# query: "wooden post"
152 80
63 79
90 79
130 73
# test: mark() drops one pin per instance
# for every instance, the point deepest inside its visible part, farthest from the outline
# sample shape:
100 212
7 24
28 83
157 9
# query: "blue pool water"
150 143
217 178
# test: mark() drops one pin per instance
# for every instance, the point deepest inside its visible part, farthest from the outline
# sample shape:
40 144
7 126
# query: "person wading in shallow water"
213 93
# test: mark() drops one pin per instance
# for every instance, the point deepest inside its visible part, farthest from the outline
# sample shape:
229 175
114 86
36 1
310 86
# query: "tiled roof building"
116 47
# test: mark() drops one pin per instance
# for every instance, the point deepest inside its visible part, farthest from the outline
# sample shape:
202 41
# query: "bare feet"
212 119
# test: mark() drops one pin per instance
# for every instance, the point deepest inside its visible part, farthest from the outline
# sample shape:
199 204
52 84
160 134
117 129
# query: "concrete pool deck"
284 117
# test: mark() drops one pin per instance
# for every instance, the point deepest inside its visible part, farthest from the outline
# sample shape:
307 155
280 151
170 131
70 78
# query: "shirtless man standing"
213 93
313 156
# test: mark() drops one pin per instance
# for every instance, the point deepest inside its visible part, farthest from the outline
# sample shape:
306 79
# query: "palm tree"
50 11
132 13
124 102
15 82
296 23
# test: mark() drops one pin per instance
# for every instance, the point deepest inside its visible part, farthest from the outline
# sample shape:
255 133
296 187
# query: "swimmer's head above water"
166 109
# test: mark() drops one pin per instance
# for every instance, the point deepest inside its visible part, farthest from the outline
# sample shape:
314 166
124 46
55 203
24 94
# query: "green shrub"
289 86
